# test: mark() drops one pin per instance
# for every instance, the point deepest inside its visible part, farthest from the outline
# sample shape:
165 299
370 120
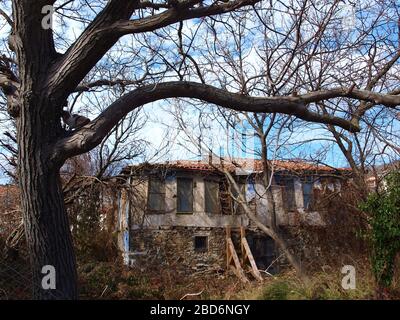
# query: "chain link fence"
15 278
15 270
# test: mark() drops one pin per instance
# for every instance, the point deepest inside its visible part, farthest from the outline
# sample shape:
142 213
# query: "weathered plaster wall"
198 194
300 215
199 218
262 205
202 219
137 200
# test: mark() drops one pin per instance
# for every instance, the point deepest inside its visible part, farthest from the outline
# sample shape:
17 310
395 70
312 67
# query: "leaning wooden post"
227 236
242 249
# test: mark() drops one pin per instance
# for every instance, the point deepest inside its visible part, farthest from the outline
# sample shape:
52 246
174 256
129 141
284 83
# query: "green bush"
384 219
278 290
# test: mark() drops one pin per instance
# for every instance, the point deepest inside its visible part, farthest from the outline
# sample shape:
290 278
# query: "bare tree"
261 125
42 69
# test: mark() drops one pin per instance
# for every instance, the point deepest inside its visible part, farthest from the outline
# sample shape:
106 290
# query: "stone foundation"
175 247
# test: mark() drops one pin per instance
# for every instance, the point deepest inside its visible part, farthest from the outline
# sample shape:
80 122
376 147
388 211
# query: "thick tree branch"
89 48
364 105
30 41
6 17
92 134
387 100
111 24
174 15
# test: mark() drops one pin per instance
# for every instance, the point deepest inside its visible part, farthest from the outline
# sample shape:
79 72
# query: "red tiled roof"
248 165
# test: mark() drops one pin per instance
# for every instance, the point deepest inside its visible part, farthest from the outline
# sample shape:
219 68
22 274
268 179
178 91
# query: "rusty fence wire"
15 278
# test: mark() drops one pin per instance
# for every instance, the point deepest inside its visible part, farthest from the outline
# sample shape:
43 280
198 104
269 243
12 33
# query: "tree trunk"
38 129
282 245
273 231
269 231
46 223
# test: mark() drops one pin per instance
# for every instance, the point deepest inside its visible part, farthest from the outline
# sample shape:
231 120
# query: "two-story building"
178 213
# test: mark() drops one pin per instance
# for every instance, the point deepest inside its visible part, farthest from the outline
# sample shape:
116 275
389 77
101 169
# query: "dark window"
156 196
263 249
225 198
184 195
288 194
211 196
308 194
200 243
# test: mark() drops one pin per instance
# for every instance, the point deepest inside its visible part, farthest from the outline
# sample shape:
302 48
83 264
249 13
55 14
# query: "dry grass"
108 281
323 285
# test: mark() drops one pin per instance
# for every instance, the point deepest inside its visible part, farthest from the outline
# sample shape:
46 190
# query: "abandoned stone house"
182 214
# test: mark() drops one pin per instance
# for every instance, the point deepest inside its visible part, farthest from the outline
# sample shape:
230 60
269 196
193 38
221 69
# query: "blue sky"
155 131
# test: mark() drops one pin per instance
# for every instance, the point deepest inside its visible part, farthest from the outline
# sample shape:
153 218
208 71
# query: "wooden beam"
228 232
248 255
243 251
228 255
237 268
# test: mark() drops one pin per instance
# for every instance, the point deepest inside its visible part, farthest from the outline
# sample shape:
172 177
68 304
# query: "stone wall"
174 247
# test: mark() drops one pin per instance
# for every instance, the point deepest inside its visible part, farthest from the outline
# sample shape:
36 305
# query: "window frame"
177 195
206 241
163 194
218 204
283 182
308 180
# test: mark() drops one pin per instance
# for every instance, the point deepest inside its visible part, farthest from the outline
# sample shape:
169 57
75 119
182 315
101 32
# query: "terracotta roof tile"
248 165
